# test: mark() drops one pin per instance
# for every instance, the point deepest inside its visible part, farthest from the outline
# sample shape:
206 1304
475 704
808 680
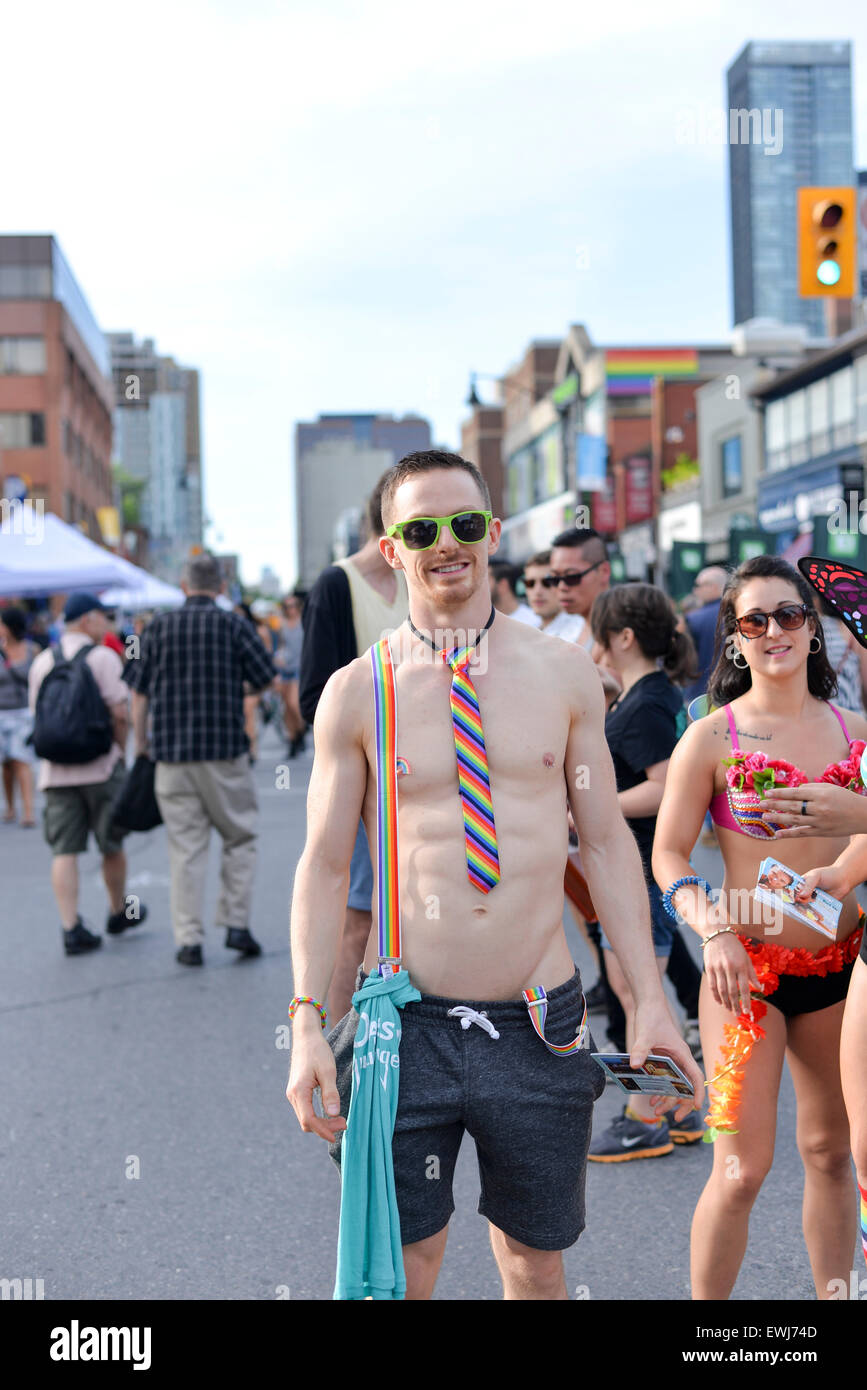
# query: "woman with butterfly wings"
834 811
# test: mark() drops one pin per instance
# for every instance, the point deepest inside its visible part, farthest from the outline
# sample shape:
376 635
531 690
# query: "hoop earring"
815 638
743 663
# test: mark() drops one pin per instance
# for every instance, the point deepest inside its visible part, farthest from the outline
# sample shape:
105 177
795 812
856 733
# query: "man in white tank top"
338 626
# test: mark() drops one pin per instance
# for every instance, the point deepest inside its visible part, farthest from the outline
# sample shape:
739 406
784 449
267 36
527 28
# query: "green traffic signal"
828 273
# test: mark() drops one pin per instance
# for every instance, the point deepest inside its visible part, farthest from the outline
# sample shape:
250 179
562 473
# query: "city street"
148 1151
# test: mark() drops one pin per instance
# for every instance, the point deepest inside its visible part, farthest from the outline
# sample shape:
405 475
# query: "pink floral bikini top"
748 775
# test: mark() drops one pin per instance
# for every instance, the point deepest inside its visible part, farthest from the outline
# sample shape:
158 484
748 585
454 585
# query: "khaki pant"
192 798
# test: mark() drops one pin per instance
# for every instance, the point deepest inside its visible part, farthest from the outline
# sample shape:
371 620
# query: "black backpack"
72 723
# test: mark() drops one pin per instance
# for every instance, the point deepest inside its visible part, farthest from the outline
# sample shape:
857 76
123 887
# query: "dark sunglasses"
788 618
423 532
572 580
547 583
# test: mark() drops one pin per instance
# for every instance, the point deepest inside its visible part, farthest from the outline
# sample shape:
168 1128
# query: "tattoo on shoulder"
760 738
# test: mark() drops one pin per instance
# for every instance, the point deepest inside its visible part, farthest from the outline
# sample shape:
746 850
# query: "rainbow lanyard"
388 878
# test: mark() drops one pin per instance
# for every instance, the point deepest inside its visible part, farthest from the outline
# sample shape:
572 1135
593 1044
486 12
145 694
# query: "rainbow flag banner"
630 371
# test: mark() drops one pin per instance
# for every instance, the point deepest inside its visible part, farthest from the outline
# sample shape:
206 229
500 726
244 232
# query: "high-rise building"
157 449
55 387
790 126
338 461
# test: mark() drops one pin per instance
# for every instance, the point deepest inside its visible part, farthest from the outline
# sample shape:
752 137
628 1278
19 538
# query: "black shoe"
240 939
78 940
596 998
189 955
118 922
692 1038
299 742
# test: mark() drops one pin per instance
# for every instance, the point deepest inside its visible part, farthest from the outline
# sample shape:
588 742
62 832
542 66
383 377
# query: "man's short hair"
202 574
589 542
426 461
502 569
717 575
542 559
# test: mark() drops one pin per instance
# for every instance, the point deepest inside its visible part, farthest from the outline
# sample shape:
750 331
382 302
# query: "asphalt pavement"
147 1150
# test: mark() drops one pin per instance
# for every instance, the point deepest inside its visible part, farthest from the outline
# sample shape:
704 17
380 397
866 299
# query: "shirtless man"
542 712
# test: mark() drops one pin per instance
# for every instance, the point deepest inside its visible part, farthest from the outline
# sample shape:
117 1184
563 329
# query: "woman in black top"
635 629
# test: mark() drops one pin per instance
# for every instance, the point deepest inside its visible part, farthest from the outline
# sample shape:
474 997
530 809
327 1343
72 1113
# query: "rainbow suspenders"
388 881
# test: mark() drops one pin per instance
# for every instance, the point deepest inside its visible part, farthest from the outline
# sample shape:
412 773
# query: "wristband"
682 883
307 999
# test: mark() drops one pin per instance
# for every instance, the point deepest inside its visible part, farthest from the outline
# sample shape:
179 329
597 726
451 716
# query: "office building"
158 449
338 461
789 126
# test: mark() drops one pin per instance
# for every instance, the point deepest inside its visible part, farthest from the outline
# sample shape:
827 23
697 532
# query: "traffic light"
827 242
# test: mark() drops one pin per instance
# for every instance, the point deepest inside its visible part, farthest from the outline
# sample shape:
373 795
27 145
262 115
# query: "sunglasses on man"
571 580
423 532
788 618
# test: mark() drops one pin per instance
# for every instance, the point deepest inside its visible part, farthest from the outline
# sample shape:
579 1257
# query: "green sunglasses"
423 532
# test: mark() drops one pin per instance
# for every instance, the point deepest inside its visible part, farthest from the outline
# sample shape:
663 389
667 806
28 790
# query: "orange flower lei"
770 962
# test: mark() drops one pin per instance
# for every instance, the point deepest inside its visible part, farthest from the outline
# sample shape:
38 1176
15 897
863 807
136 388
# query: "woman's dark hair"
651 616
16 621
728 681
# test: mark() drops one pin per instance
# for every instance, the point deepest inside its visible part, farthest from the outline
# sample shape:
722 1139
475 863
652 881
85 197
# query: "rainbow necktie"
474 783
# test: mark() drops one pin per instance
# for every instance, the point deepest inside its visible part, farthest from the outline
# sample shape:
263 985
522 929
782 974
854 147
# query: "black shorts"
806 994
528 1110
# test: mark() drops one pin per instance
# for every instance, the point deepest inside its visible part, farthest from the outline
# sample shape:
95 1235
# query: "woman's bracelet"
307 999
682 883
721 931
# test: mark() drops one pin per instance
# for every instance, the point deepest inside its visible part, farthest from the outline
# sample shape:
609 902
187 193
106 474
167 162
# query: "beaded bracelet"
682 883
307 999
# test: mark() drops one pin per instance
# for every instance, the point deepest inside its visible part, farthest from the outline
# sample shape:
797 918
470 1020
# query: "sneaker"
118 922
625 1139
78 940
596 998
687 1131
189 955
692 1038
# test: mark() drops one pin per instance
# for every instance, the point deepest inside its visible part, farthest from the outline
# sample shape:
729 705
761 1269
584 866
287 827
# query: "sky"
333 206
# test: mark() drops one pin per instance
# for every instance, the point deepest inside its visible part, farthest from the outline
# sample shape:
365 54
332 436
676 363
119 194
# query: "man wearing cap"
79 797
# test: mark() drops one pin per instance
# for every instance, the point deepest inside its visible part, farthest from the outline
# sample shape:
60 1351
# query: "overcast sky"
332 206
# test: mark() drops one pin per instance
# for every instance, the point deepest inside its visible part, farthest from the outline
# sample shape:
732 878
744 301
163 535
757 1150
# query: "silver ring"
803 808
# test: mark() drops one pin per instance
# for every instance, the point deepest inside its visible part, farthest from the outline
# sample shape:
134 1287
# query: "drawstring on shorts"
470 1016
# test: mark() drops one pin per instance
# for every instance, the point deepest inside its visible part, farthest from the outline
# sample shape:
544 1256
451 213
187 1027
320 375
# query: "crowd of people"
579 772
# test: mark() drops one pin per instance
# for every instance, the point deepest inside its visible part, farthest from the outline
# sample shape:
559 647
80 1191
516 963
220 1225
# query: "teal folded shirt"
369 1255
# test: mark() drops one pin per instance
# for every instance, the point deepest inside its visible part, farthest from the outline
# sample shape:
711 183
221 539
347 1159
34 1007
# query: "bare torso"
817 742
457 941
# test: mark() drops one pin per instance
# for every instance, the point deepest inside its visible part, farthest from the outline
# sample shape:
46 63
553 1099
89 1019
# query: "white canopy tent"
41 555
143 591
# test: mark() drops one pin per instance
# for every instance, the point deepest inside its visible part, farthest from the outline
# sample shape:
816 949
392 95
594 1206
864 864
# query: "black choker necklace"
433 648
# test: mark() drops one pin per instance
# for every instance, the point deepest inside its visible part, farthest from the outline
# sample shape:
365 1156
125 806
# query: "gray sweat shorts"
528 1111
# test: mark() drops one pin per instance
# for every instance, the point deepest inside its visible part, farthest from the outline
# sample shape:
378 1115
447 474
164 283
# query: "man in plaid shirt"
190 675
